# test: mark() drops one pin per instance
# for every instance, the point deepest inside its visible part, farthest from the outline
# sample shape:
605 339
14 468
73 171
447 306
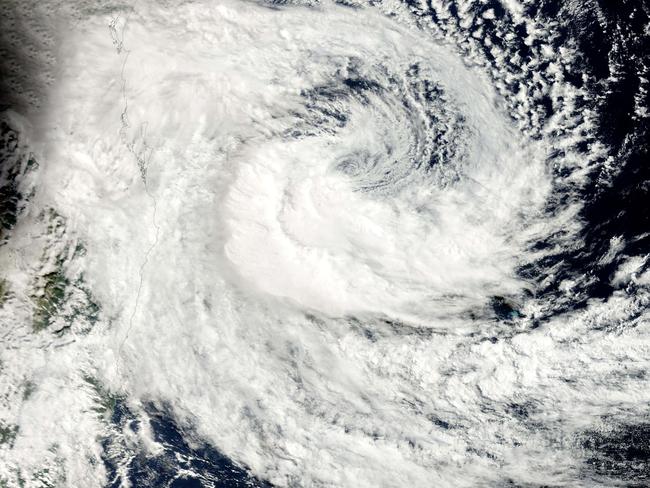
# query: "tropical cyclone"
327 244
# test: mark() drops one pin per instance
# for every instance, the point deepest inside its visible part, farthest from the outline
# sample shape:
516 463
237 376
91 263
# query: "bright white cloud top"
303 229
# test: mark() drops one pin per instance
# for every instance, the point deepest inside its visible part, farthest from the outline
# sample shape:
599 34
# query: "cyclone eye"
324 243
356 165
389 126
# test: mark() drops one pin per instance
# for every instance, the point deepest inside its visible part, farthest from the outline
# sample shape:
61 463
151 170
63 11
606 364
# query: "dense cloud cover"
324 244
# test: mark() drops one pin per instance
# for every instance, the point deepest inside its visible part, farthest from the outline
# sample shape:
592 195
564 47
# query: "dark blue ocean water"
615 206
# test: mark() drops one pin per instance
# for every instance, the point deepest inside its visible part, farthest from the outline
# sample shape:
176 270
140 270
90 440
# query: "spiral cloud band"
382 244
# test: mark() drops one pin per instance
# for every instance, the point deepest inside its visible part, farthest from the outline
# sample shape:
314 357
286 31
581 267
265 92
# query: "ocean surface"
324 243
